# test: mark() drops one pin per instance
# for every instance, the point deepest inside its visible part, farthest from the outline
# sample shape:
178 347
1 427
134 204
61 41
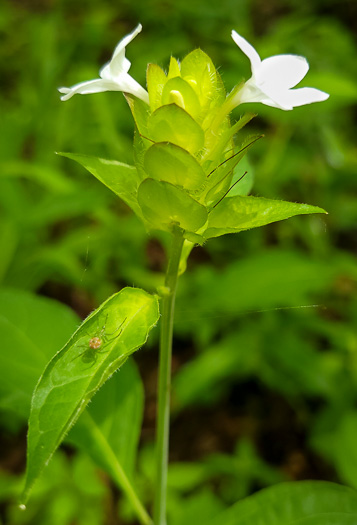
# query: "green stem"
164 386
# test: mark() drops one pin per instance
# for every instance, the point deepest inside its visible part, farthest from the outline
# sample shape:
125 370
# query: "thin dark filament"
236 182
143 137
232 157
206 313
222 179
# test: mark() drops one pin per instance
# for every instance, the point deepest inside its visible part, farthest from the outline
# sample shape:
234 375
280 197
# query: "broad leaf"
110 426
235 214
298 503
345 452
170 163
197 507
32 328
120 178
109 430
46 175
172 124
264 280
164 205
100 346
8 241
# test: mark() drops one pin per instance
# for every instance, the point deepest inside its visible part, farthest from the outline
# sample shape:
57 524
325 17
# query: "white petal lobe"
119 64
272 80
113 76
248 50
84 88
284 71
302 96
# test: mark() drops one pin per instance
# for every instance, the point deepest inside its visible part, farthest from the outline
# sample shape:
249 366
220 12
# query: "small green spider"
98 342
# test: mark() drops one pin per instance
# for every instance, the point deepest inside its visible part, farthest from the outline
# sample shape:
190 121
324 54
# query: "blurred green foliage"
272 311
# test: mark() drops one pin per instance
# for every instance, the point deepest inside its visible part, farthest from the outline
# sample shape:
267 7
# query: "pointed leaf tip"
235 214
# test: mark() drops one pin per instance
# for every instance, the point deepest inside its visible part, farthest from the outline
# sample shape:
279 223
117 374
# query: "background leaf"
33 329
300 503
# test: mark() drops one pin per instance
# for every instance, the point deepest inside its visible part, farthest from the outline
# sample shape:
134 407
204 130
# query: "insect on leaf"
96 350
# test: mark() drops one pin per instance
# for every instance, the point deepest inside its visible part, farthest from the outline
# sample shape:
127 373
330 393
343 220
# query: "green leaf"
9 239
109 430
170 163
288 279
155 79
121 325
121 179
298 503
110 426
177 89
235 214
195 508
346 448
172 124
45 175
32 328
164 205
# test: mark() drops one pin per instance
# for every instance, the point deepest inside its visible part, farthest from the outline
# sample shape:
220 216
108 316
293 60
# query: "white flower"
273 78
113 76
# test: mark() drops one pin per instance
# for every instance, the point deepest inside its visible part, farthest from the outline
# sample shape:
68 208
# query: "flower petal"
283 71
248 50
272 80
92 86
251 92
119 64
125 83
302 96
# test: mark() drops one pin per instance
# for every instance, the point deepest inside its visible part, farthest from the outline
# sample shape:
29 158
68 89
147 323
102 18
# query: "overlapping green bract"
185 137
186 161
